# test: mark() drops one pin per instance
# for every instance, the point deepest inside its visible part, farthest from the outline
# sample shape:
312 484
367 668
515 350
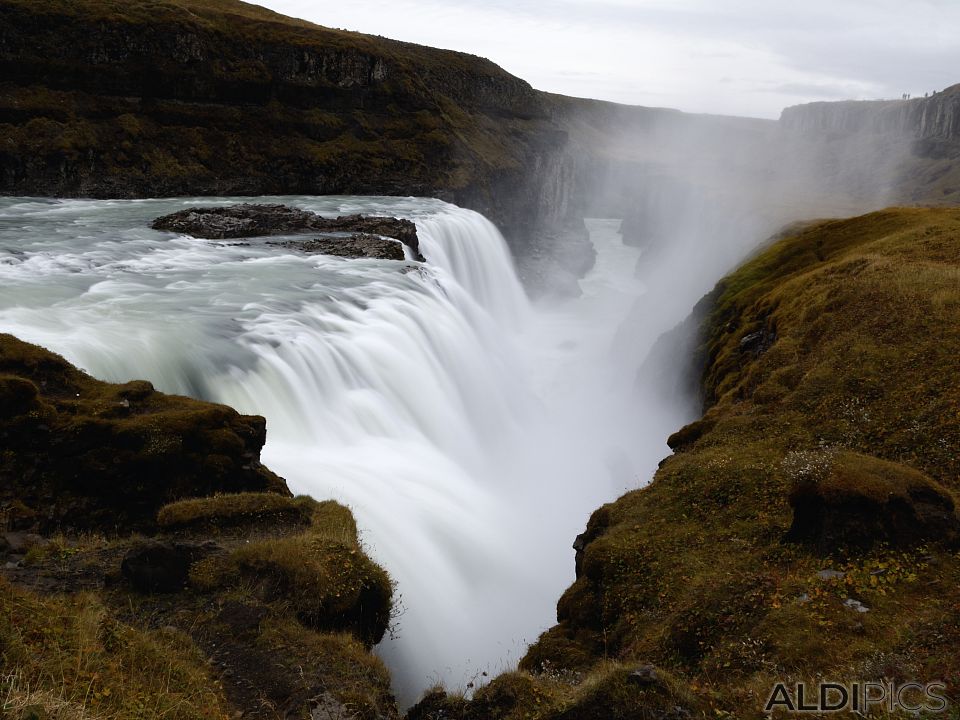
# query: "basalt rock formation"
932 117
80 454
921 135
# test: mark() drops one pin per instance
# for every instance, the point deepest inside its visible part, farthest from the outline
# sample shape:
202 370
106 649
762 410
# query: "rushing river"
470 432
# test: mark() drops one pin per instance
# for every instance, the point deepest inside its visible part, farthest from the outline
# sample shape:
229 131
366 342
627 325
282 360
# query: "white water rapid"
471 433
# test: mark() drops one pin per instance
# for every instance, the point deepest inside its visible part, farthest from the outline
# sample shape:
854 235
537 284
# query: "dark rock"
596 526
364 239
157 567
553 261
861 501
358 245
689 434
758 342
643 675
19 543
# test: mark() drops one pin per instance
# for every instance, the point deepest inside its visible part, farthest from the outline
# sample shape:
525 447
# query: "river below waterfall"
471 433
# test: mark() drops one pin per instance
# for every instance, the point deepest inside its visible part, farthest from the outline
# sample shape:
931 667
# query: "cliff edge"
150 566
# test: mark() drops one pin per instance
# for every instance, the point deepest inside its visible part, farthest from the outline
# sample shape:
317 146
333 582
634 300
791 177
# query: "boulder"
19 543
857 501
643 675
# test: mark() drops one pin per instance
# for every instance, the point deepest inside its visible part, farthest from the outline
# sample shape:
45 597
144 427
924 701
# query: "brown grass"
69 656
228 510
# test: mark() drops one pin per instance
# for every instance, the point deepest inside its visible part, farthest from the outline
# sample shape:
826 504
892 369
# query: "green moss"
231 510
612 694
853 474
356 678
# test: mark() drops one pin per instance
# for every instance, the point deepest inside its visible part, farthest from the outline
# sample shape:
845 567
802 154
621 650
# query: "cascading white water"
471 434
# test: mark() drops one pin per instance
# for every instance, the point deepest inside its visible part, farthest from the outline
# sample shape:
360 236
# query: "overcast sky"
740 57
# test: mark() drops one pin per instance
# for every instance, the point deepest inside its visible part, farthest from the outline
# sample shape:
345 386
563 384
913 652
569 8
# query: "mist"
698 195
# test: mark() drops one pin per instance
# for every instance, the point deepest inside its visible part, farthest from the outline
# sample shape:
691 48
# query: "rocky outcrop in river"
351 236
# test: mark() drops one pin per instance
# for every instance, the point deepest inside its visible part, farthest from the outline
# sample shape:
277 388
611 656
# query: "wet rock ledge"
352 236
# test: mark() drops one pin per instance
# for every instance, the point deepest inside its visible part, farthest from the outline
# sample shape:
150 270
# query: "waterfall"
470 433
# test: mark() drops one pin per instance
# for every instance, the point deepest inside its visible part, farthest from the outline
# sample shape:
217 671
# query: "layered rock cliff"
933 117
131 99
912 146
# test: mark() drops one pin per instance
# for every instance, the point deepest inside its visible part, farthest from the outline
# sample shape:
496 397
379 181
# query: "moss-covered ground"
269 604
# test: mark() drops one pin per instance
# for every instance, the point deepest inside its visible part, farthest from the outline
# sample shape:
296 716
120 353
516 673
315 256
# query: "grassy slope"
691 573
277 619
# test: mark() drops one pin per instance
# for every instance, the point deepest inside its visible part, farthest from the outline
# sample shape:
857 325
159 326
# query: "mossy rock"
321 573
96 456
861 501
237 510
556 652
689 434
642 693
512 695
437 704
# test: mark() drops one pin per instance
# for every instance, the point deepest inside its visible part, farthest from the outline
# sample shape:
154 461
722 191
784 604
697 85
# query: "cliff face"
912 146
172 98
935 117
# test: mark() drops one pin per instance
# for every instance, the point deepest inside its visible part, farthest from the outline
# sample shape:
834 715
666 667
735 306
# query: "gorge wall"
920 135
934 117
224 98
138 99
103 99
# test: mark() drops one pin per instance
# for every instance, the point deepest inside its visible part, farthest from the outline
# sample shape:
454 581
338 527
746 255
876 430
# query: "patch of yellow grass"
72 658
